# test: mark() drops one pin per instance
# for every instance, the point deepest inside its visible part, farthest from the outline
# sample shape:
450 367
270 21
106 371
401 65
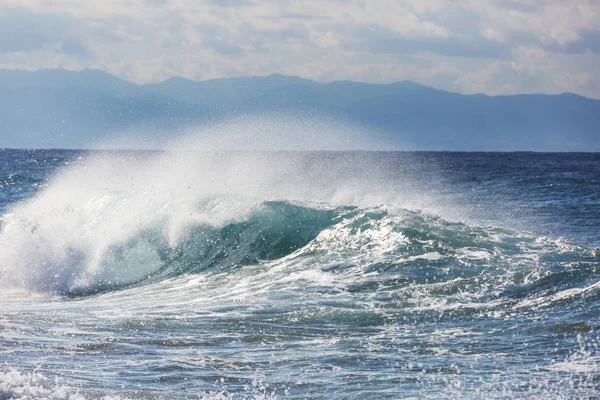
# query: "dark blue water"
299 275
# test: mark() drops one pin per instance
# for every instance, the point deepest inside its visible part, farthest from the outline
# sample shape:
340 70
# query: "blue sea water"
182 274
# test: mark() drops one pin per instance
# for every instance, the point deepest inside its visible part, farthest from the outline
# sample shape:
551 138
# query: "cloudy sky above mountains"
489 46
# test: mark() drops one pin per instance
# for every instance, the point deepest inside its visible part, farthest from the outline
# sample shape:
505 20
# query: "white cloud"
534 70
494 46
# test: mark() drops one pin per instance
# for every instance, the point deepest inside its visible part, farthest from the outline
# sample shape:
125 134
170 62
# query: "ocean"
184 274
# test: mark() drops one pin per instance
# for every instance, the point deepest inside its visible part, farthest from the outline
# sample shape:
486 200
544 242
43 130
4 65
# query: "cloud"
481 44
372 39
23 30
229 3
156 3
587 40
533 70
73 47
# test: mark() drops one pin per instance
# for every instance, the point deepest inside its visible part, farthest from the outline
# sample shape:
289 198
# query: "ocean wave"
378 247
112 221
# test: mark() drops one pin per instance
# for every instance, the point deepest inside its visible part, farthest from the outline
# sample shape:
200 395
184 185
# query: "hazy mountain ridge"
59 108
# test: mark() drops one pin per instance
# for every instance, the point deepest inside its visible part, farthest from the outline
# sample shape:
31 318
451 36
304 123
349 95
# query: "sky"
466 46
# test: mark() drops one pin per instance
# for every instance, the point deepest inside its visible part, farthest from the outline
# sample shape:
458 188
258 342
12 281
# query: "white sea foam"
17 385
29 386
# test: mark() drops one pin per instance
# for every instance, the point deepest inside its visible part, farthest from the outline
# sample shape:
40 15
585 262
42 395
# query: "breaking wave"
114 220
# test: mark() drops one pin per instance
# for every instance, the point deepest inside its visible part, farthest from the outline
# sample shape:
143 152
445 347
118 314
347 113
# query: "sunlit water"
299 275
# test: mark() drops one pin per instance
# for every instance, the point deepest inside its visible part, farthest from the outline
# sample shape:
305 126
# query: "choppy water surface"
299 275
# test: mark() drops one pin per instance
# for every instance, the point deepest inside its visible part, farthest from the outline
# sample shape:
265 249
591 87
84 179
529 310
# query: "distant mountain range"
66 109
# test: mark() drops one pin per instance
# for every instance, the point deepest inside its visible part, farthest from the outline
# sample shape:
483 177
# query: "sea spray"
107 220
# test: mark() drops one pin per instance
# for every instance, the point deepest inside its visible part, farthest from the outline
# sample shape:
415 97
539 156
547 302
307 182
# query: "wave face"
276 275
